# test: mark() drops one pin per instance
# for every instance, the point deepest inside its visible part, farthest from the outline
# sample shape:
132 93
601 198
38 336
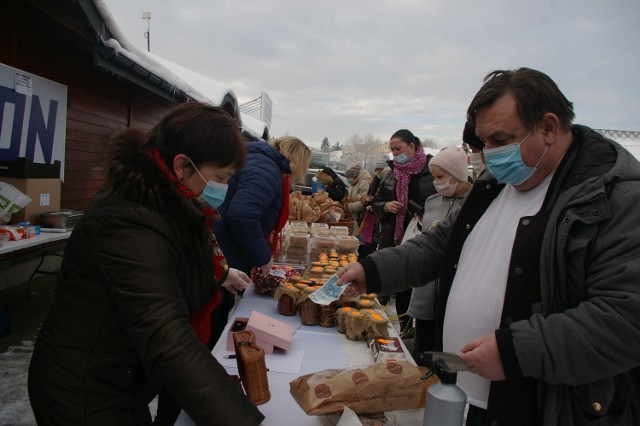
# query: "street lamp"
147 35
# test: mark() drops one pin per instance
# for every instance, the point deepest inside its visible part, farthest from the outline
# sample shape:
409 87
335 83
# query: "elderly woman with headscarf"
359 183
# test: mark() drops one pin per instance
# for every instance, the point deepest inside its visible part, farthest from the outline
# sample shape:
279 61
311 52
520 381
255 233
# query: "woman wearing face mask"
359 183
139 262
408 181
449 170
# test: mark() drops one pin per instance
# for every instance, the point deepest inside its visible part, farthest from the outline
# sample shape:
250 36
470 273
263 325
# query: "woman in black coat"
335 187
408 184
138 263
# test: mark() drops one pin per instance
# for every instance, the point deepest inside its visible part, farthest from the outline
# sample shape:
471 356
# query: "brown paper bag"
381 387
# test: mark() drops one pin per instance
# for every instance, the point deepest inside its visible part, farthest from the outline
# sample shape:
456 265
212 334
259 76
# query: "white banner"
33 117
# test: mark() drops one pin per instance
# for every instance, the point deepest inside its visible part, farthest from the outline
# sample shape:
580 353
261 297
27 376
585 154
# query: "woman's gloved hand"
236 281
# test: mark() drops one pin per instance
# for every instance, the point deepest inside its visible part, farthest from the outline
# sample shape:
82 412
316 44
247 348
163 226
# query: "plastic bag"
11 201
414 228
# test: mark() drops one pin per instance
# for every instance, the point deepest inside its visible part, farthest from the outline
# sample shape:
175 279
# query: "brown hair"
535 94
407 137
206 134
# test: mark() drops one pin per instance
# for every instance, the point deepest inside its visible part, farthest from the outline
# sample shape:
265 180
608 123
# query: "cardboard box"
45 197
270 330
239 324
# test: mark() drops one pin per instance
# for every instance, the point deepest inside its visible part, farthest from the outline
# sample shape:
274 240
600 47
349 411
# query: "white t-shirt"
474 306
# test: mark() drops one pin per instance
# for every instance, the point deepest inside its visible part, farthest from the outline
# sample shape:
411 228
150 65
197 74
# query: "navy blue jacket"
251 208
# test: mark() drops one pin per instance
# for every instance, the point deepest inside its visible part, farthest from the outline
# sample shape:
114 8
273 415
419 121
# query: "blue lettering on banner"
8 96
38 129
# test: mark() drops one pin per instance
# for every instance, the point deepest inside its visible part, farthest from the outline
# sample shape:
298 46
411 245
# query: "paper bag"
11 200
380 387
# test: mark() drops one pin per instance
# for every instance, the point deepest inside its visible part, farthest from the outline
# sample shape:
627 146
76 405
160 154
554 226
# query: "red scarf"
403 174
282 219
201 320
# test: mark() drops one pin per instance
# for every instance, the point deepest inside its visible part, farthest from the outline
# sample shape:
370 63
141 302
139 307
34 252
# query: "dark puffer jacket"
118 331
420 188
251 208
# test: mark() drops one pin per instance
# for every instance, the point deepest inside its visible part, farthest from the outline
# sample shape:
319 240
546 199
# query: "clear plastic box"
339 230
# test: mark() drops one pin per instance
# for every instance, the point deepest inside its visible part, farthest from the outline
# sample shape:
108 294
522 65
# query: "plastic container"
445 400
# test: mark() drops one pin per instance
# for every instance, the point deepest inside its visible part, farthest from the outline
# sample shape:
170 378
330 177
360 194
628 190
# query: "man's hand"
353 273
236 281
483 357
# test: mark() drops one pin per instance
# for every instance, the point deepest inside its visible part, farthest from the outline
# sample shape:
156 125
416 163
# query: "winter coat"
118 329
420 188
251 208
436 209
335 186
581 342
360 186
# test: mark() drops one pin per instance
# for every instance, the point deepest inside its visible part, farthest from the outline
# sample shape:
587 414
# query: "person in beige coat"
359 183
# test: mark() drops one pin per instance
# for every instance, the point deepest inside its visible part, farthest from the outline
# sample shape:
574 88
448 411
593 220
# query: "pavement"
26 317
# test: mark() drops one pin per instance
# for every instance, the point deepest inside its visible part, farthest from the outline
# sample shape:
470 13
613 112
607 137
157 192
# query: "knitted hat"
353 171
469 137
452 160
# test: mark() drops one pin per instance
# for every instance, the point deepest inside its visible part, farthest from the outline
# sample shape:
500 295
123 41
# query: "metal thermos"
445 400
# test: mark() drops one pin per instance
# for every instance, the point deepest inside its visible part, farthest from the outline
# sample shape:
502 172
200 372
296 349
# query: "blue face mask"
214 192
506 165
401 158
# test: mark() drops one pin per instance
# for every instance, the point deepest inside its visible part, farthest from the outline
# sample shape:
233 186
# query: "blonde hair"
298 154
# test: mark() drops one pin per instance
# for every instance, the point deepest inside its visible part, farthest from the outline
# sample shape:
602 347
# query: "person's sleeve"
599 335
412 264
141 267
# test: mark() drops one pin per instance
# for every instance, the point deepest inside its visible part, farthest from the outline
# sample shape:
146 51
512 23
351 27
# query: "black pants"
477 416
425 335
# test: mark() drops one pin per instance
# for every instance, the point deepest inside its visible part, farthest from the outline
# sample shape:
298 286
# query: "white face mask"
445 187
476 162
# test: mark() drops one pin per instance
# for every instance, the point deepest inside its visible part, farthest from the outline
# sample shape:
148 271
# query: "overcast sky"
337 68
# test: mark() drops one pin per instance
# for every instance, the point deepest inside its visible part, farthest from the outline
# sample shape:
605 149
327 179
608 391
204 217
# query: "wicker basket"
345 218
251 367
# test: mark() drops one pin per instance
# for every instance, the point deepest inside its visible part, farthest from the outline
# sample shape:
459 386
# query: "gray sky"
337 68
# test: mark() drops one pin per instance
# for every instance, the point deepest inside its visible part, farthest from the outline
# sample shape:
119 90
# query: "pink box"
270 330
239 324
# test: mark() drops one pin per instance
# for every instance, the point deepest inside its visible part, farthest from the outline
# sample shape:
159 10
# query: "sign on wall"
33 117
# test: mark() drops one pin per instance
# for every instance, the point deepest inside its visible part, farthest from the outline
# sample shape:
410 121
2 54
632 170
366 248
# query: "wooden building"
71 42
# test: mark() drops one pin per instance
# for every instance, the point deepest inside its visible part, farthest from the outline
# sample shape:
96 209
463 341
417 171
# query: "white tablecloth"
318 348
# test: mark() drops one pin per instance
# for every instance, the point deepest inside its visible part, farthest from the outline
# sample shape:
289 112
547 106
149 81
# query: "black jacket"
335 187
420 188
118 330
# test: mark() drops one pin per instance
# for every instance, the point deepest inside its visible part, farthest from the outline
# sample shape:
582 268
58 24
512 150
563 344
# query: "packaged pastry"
309 310
384 349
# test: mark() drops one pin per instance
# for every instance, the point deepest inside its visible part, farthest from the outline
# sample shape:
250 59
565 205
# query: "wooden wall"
53 39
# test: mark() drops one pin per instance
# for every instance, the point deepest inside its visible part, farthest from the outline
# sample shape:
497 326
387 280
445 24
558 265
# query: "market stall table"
314 348
48 243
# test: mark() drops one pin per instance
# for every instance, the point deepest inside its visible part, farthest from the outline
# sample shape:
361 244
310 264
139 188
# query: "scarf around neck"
200 320
403 174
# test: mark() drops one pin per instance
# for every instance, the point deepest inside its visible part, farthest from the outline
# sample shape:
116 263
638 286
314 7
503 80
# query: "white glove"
236 281
265 270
